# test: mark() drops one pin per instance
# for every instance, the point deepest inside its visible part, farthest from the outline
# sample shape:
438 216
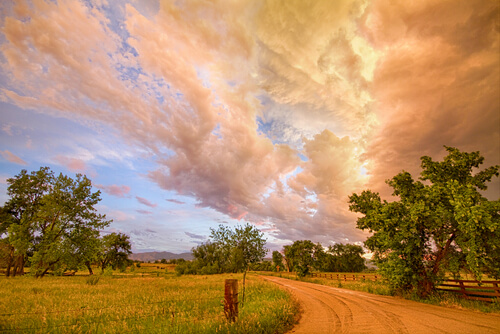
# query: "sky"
190 114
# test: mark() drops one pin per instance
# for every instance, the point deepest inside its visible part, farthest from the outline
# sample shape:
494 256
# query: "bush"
92 280
107 272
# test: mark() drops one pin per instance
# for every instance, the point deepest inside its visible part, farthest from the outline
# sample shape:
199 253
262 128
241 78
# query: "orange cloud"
225 96
436 83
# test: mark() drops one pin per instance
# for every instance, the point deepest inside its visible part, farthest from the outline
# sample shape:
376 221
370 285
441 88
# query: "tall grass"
154 303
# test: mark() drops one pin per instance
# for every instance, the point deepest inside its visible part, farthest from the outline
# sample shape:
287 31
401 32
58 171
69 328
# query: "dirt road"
332 310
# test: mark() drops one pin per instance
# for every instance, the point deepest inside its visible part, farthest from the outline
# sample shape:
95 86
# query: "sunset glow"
189 114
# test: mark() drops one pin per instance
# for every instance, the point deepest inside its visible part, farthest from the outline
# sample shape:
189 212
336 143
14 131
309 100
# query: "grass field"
145 300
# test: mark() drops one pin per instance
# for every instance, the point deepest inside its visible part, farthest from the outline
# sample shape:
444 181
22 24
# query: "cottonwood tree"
439 224
50 217
345 258
277 260
116 248
300 256
237 249
227 250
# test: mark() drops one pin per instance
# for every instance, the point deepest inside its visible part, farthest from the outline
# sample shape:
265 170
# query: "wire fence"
165 313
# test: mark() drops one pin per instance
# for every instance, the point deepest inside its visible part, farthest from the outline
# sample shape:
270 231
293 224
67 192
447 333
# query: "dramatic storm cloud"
270 112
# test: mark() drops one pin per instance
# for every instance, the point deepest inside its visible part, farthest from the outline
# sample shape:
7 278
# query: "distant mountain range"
153 256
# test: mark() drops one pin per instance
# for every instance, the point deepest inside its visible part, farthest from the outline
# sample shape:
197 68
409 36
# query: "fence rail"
484 291
470 289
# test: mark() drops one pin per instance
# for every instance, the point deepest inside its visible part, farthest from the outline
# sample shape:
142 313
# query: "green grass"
144 301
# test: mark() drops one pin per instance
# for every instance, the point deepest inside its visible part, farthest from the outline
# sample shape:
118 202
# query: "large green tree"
116 248
238 248
345 258
439 224
301 256
227 250
50 217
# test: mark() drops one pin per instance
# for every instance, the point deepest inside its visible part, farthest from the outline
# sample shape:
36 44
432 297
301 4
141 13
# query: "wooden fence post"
497 291
231 299
462 289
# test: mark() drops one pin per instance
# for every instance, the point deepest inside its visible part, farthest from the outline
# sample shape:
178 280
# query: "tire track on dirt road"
332 310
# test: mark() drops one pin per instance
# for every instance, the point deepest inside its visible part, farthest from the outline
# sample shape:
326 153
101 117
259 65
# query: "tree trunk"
89 268
426 287
441 254
17 264
10 260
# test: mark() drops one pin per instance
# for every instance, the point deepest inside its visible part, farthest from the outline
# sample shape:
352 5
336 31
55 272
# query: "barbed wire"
108 307
100 320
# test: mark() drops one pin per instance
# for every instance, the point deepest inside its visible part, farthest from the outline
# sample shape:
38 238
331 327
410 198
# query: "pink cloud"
146 202
114 190
9 156
426 72
436 83
144 212
175 201
73 164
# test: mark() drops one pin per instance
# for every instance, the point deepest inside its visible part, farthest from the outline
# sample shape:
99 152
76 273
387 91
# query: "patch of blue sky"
114 12
231 83
204 76
216 131
128 73
302 157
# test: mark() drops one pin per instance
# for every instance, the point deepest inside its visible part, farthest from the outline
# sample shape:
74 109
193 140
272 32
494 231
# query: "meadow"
150 299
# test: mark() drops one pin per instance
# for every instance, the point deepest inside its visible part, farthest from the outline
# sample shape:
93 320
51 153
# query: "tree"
440 225
237 249
346 258
300 256
115 250
51 217
277 260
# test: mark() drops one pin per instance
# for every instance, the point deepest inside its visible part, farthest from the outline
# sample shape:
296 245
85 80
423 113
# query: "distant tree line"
240 250
50 224
304 256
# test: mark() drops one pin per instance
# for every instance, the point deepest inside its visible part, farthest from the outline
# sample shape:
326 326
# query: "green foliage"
345 258
108 271
300 256
228 251
52 220
304 255
116 248
277 261
440 225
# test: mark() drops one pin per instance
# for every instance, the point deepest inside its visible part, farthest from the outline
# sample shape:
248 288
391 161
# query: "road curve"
332 310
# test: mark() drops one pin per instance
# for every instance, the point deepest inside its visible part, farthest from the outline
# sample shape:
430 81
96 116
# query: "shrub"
92 280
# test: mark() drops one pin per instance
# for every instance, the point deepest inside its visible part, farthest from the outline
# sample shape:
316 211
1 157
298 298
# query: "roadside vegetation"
146 299
384 288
